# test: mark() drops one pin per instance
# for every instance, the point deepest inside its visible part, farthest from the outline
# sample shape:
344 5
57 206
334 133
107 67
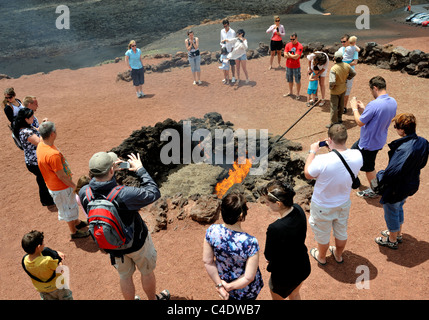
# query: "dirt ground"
95 113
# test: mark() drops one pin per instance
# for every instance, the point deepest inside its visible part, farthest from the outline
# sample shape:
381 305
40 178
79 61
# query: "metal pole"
314 105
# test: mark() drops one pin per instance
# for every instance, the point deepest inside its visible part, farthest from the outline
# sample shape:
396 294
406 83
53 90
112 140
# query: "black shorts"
283 289
368 158
138 76
276 45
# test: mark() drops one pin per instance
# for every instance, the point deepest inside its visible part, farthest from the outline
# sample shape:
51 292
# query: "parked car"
425 23
420 19
412 16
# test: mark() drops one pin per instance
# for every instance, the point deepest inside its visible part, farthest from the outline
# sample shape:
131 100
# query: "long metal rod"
314 105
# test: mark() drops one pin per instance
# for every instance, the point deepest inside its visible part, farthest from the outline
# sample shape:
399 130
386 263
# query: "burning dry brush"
189 189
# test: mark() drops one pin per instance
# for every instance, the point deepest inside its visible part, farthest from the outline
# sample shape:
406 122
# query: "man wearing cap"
338 76
58 178
142 255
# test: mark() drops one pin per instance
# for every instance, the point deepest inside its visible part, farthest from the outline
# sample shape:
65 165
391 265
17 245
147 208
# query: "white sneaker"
224 80
200 82
233 80
368 193
195 82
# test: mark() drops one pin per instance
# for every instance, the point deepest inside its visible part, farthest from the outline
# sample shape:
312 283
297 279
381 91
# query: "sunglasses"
292 39
277 20
343 41
8 97
273 196
134 45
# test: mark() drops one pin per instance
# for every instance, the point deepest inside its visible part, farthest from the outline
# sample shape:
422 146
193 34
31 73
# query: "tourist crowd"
230 254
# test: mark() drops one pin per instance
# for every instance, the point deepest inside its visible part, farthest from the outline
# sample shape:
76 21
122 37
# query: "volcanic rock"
206 209
188 189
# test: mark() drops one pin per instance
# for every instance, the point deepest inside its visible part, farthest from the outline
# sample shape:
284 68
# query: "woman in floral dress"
230 255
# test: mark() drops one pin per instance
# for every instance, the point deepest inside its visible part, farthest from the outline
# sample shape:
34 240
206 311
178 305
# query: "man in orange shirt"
58 179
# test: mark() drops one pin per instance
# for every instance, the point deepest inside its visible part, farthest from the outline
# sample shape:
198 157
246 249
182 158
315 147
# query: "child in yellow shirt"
41 265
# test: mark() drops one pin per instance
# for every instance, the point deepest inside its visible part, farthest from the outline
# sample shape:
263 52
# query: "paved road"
420 8
307 7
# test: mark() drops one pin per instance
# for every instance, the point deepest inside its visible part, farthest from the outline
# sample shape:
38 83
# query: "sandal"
386 243
313 253
298 98
386 233
310 103
332 248
321 104
163 295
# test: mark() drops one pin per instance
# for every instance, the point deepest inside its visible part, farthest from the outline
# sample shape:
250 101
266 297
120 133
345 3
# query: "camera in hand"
323 144
124 165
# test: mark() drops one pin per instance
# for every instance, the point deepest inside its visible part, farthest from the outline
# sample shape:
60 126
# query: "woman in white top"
321 60
276 45
238 53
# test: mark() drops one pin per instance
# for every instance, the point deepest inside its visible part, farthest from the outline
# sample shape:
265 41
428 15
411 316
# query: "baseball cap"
338 54
101 162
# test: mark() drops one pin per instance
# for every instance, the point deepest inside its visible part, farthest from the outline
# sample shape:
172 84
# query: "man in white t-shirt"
228 34
330 202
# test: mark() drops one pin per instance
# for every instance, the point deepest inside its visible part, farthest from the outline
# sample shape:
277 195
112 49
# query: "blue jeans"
195 63
394 215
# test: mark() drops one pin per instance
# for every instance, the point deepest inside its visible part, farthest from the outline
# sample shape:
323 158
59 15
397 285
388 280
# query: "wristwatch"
219 285
312 151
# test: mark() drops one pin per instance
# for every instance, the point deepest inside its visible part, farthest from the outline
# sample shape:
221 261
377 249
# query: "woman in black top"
11 105
285 248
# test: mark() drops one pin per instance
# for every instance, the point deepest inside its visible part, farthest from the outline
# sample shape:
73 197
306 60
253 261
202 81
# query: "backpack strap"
112 195
89 194
34 277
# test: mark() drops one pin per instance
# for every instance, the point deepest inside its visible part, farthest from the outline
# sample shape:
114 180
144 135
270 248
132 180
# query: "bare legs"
148 283
279 58
243 65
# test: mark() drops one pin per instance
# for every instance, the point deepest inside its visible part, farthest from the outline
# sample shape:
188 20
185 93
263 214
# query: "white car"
420 18
412 16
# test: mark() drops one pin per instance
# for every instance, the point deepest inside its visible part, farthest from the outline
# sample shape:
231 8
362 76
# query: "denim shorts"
243 57
394 215
195 63
293 72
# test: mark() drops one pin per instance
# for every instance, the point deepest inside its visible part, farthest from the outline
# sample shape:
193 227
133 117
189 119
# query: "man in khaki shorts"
142 254
330 202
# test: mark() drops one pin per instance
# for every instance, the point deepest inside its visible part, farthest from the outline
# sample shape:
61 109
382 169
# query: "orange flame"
235 175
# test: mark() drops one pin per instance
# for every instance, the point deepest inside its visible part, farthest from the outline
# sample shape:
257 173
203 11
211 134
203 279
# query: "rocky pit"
188 188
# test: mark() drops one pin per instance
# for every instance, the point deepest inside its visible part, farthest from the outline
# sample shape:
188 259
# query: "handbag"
356 181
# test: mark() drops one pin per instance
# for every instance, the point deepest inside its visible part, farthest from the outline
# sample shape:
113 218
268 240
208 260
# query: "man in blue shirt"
374 122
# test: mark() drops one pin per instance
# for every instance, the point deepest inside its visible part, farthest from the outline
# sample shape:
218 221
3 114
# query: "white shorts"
65 200
349 85
323 220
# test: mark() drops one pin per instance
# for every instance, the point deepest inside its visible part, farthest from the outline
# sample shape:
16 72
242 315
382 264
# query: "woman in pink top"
276 45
